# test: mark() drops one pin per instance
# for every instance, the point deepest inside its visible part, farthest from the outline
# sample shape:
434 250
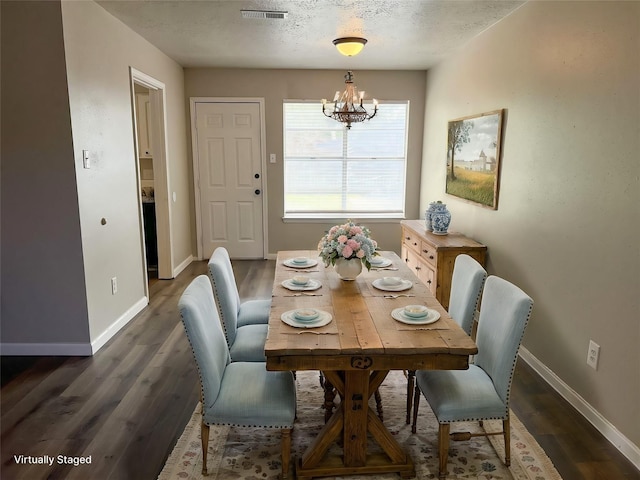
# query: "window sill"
338 220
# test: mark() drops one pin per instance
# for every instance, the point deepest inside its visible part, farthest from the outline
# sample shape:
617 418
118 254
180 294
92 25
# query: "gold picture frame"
474 145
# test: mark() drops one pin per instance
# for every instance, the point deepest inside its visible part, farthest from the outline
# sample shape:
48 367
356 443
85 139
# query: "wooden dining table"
355 351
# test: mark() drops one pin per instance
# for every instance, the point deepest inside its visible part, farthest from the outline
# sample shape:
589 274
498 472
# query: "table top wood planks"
355 351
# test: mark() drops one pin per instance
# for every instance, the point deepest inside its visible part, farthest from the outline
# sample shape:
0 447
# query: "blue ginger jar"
440 218
427 216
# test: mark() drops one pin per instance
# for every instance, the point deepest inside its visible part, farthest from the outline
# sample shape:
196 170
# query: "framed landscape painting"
473 158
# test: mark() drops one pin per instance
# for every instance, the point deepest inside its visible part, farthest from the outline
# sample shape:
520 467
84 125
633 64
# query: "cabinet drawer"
428 277
429 253
420 268
411 240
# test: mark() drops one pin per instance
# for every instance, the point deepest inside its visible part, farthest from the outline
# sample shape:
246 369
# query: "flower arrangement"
347 241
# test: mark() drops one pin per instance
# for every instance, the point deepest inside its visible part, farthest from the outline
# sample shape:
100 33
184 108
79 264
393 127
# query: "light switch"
272 158
86 163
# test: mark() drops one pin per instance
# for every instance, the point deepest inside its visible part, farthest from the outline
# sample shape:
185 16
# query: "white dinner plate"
310 285
310 263
380 285
323 319
431 317
381 262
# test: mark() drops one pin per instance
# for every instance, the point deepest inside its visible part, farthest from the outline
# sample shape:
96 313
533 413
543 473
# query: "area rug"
254 454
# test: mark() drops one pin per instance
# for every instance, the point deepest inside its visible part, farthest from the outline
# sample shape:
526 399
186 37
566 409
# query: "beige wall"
99 51
275 86
568 220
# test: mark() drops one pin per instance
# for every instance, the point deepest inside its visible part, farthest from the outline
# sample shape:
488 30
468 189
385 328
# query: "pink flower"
353 244
347 251
342 239
355 230
360 253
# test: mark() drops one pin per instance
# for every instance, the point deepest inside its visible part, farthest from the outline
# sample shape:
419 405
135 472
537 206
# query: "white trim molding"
187 261
606 428
158 119
116 326
75 349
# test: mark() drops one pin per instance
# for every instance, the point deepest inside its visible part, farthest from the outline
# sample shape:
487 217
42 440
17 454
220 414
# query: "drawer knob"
424 250
417 268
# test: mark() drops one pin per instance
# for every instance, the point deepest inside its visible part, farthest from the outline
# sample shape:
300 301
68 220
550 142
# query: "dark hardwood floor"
127 405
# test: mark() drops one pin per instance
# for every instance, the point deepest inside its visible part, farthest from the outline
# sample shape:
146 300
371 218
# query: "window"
330 171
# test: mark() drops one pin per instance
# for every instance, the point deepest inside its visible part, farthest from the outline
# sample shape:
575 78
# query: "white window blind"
330 171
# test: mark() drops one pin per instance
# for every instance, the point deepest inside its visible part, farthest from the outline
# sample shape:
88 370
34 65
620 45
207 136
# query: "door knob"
257 192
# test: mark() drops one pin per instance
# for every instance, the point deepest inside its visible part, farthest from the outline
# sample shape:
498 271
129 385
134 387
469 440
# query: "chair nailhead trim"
196 361
220 312
515 359
275 427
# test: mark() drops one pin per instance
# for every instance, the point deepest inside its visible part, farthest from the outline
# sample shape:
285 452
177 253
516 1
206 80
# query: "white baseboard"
187 261
115 327
74 349
606 428
46 349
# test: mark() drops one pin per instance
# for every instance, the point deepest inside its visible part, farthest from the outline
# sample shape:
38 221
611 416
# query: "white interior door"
228 143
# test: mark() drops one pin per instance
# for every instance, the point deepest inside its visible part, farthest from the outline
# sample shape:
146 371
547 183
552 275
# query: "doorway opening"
147 187
148 100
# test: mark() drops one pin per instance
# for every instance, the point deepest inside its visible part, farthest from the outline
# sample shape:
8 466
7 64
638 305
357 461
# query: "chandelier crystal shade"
348 106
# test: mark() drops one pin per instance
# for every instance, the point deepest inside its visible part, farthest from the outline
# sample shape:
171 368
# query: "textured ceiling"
401 34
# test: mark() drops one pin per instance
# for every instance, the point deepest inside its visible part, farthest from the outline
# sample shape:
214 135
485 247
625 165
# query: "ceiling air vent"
263 14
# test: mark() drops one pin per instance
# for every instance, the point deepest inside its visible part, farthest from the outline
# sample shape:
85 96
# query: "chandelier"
347 106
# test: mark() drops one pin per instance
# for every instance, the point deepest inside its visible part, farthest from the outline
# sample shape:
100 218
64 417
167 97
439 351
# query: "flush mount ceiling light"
350 46
347 106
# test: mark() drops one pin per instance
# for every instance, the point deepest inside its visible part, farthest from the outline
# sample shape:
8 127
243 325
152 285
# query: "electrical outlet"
114 285
593 354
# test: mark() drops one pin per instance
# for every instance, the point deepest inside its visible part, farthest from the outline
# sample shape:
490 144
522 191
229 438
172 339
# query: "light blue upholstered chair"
466 287
241 394
481 392
245 324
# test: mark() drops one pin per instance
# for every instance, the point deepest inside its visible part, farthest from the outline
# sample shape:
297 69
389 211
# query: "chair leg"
416 404
204 438
286 451
506 427
443 448
378 398
411 380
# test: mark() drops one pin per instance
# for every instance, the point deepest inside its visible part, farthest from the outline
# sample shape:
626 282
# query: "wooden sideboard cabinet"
431 257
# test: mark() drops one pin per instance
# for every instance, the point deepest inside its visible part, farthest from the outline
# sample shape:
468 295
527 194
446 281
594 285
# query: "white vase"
348 269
